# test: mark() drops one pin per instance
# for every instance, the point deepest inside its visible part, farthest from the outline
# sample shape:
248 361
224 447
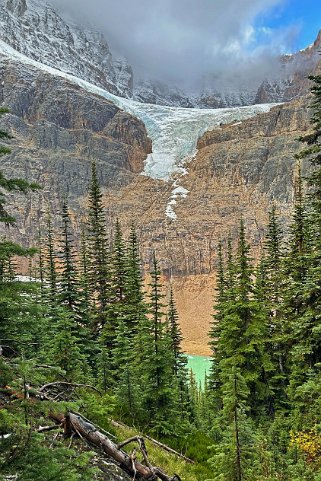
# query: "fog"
183 41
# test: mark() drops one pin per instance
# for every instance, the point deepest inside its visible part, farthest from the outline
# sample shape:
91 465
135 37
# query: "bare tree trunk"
128 463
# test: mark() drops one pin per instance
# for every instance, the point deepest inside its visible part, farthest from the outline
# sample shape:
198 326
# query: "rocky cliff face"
58 131
60 128
35 29
239 169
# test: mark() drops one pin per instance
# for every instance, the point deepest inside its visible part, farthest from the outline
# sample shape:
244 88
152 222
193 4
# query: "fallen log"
74 423
128 462
157 443
67 384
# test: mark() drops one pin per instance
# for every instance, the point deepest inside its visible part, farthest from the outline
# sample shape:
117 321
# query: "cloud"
179 41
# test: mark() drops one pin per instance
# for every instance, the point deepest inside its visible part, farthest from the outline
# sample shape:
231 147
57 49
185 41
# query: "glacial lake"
200 366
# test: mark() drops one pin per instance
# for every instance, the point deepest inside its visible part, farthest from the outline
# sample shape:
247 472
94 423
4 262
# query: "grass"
168 462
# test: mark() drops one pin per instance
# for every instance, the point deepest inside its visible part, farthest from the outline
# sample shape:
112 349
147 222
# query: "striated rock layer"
58 131
59 128
239 170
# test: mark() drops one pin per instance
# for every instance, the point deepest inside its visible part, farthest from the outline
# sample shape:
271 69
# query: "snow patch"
178 192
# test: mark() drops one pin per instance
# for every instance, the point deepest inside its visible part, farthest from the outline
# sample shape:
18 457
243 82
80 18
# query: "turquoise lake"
200 365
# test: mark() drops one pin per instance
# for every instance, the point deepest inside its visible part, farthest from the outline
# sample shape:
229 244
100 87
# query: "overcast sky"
175 40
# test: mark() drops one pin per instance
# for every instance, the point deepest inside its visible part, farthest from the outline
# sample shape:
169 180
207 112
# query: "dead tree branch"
66 384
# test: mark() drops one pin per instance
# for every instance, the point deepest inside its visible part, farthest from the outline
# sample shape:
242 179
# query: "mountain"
35 29
287 81
184 176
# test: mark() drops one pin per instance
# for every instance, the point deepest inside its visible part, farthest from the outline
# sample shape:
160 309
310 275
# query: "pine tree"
136 306
10 185
274 286
218 323
116 309
241 332
70 295
127 387
97 240
99 277
50 266
228 463
179 359
299 239
65 347
17 307
273 261
68 283
306 351
118 265
175 335
156 361
84 297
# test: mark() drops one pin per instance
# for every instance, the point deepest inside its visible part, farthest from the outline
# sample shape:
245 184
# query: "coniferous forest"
90 357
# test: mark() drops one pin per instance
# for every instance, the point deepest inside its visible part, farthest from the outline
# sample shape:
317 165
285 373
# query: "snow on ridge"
174 131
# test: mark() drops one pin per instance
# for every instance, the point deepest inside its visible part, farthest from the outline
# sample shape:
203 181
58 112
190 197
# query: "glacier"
174 131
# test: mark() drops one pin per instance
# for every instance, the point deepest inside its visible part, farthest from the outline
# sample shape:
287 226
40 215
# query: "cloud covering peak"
180 41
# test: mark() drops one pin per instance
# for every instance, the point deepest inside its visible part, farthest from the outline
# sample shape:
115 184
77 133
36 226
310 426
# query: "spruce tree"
306 351
273 292
10 185
230 455
97 241
241 333
84 295
156 361
175 335
179 359
50 266
68 282
17 307
218 323
136 306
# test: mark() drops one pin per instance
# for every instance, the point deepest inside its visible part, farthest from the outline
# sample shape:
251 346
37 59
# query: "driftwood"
157 443
128 462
